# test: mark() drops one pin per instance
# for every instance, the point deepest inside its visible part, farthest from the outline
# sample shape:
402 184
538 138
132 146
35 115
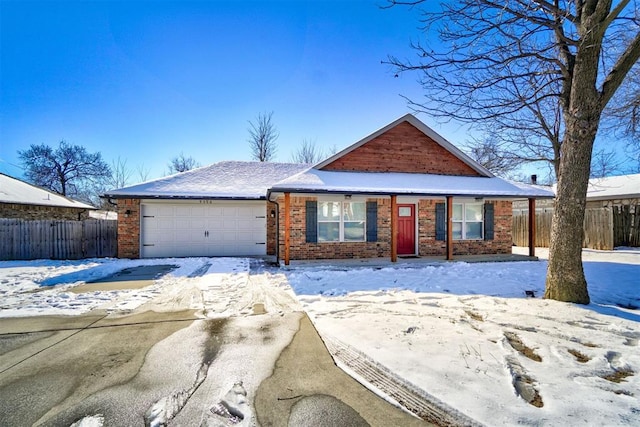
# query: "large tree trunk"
582 107
565 276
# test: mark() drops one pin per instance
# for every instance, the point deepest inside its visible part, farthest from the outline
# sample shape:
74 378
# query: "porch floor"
410 261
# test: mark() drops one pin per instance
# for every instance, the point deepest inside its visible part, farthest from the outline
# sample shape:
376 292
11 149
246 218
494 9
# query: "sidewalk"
307 388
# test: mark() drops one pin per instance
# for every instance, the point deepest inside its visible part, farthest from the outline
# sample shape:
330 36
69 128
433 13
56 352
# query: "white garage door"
202 228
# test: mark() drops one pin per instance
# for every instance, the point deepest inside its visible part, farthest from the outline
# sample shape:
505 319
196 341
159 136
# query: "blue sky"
144 81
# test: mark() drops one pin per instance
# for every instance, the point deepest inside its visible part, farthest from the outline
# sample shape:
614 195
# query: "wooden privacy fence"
45 239
626 225
598 229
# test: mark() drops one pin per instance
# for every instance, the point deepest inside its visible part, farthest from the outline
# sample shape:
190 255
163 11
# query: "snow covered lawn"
467 335
464 333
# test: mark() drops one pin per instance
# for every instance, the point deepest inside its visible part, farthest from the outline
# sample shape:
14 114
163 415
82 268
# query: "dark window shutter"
372 221
312 221
441 222
488 221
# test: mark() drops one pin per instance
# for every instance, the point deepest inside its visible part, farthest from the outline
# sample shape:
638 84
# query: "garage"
215 210
202 228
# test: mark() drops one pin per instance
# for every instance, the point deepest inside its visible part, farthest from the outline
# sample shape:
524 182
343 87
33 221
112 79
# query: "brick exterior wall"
300 249
403 148
427 245
129 228
35 212
271 228
501 243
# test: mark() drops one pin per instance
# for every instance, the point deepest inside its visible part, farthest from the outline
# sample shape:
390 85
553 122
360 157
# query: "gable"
401 148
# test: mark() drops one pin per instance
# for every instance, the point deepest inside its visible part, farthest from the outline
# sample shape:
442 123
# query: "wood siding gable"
402 148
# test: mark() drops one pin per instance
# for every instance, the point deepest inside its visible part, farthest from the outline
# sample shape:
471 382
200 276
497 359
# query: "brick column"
128 228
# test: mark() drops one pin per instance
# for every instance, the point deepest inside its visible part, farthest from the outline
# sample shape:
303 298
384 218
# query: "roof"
13 190
376 183
411 119
223 180
614 187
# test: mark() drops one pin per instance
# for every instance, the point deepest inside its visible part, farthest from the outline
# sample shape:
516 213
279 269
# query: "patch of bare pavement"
267 367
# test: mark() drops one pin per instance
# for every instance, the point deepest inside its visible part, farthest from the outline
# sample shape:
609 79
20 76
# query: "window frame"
464 221
342 220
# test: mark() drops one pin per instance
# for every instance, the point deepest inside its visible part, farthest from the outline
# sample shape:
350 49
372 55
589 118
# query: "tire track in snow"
415 400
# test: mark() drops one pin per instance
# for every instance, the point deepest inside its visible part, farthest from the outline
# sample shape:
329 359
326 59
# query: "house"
623 190
21 200
621 196
401 191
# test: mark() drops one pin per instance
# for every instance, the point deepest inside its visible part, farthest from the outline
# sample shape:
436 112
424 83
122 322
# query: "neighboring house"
612 217
403 190
623 190
22 200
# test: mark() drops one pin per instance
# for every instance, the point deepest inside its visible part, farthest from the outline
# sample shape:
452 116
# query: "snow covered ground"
454 330
464 333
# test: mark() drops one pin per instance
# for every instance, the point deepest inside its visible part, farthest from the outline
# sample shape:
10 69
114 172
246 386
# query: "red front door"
406 229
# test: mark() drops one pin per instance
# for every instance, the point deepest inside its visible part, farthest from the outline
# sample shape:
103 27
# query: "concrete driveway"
268 367
172 368
50 367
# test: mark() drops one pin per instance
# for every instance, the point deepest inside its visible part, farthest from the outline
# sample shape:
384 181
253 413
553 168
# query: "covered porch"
404 262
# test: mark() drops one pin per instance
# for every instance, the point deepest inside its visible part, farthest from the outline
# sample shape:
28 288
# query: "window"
467 221
341 221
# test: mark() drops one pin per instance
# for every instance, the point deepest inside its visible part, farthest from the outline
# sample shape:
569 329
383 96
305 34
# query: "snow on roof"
223 180
314 180
13 190
614 187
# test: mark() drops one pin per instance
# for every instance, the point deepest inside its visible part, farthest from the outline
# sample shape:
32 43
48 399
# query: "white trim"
464 221
339 197
200 201
341 221
408 200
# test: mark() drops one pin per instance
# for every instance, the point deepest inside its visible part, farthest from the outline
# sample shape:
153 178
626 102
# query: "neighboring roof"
317 181
223 180
110 215
410 118
614 187
13 190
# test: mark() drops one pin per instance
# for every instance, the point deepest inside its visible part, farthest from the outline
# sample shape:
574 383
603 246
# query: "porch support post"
532 227
449 228
394 228
287 227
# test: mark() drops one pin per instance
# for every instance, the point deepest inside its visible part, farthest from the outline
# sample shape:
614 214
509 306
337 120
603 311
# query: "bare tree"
307 152
182 163
120 173
488 152
263 136
68 170
547 68
604 163
143 173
